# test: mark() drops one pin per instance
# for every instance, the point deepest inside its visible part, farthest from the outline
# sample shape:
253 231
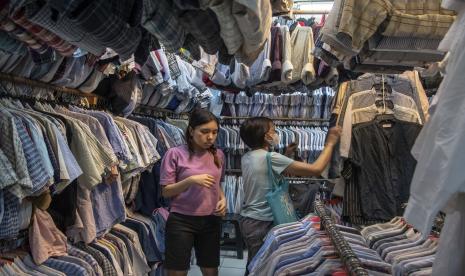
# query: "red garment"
44 237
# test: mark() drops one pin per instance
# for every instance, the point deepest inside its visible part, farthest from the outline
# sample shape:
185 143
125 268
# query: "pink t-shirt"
177 165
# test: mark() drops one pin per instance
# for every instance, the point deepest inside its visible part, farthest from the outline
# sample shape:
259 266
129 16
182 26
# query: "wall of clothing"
72 179
310 104
310 140
387 113
174 68
233 187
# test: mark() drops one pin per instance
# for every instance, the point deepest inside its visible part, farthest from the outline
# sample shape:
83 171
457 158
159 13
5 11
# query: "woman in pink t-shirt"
190 176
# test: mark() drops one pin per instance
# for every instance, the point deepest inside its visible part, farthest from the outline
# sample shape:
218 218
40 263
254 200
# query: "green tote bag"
278 198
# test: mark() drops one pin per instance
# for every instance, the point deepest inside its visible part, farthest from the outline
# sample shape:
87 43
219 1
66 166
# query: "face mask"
275 140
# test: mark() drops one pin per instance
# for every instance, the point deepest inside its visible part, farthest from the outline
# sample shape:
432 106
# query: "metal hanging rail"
348 257
150 110
276 119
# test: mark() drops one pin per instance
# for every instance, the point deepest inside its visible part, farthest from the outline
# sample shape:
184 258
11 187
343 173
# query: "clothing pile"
384 36
302 248
179 92
408 251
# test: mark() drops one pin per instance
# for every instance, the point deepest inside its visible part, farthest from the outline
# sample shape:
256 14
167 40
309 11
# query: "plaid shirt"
48 37
9 208
160 20
108 28
20 33
230 32
63 27
13 150
204 27
11 45
104 263
76 252
361 18
424 19
8 176
35 166
433 26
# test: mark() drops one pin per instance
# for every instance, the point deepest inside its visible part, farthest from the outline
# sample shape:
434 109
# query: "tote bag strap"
271 175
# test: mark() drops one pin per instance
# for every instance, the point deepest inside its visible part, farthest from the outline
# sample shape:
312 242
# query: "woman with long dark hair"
190 176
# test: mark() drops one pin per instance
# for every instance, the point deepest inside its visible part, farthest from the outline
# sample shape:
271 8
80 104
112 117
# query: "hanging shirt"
179 164
383 166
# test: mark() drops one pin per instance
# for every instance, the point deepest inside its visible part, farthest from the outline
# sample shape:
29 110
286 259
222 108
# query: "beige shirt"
254 21
302 58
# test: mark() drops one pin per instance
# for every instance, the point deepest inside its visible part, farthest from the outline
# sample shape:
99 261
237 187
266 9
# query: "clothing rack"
160 112
35 83
316 120
348 257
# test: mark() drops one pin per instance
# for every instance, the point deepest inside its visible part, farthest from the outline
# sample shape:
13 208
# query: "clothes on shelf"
303 248
408 251
392 248
310 104
386 111
409 36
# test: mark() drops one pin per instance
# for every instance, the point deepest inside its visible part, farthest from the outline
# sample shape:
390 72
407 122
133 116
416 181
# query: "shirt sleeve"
353 154
168 168
338 101
423 98
280 162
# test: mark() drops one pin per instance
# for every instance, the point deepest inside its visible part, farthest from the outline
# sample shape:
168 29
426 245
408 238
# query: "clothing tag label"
387 125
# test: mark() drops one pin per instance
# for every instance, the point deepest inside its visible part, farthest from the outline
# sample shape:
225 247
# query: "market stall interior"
94 95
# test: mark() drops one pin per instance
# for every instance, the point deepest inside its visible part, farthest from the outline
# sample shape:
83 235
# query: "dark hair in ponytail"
200 117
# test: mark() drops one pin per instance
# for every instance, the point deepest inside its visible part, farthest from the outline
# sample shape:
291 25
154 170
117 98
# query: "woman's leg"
254 232
207 245
179 239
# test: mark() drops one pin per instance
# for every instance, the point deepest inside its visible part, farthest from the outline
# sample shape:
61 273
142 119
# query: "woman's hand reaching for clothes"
290 149
333 136
204 180
221 207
